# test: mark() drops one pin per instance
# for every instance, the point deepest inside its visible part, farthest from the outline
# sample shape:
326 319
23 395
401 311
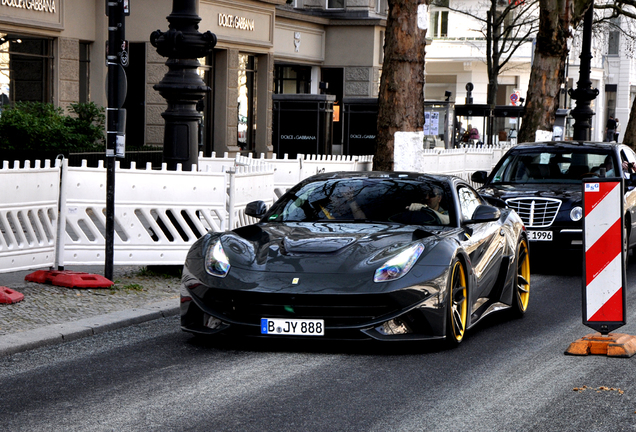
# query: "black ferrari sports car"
360 255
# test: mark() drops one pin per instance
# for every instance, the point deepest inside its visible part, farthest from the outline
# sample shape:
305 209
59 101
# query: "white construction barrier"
214 163
247 184
158 214
317 164
363 163
28 215
288 172
410 155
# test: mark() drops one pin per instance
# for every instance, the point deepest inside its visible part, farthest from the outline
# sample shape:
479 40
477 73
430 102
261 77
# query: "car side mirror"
486 213
256 209
479 177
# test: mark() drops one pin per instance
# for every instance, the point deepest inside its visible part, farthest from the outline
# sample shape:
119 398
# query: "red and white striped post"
603 270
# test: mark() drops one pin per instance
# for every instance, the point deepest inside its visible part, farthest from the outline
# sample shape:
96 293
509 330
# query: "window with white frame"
381 6
335 4
439 23
438 27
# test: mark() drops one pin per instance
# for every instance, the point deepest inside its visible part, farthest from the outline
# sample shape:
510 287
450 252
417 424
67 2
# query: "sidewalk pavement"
50 314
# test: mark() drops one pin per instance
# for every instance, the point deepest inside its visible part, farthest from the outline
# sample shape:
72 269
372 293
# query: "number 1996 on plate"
289 327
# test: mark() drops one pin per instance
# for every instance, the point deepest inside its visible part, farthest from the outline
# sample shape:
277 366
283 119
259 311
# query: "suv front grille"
535 212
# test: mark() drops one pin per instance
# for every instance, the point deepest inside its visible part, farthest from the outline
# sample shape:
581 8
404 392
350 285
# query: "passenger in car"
535 171
522 172
608 165
629 167
576 171
555 169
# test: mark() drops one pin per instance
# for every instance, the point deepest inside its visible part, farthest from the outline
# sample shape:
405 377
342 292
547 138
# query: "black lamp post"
584 93
182 87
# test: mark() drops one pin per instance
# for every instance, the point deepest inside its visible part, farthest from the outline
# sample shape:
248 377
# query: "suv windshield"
544 166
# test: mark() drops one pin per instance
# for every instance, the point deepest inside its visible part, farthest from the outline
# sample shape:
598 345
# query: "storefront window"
25 68
292 79
246 101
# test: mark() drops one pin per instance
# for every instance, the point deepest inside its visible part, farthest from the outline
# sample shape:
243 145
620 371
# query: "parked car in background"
542 183
375 255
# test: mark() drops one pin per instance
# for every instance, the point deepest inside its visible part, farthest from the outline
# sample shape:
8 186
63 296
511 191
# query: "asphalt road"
508 375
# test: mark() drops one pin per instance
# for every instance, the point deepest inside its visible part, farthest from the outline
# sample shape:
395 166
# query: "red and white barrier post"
603 270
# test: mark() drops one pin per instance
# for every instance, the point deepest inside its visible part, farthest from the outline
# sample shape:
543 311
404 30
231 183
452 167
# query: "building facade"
457 56
54 51
326 54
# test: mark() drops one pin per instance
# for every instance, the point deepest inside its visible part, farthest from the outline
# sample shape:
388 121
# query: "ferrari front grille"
336 310
535 212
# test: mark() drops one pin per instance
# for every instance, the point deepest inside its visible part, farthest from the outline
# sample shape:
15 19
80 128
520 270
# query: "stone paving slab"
50 314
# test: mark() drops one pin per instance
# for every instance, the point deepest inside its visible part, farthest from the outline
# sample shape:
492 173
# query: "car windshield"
408 201
545 166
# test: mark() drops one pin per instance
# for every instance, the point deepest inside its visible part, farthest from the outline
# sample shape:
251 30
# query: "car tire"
457 304
522 279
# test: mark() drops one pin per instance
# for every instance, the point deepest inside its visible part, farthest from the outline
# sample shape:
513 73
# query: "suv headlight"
576 213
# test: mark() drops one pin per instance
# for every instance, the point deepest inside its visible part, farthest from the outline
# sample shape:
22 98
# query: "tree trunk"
401 98
548 69
493 40
630 130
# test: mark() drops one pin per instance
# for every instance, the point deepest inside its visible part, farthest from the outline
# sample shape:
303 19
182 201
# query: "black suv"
542 183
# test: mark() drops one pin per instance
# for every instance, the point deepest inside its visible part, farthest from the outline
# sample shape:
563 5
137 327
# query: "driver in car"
433 200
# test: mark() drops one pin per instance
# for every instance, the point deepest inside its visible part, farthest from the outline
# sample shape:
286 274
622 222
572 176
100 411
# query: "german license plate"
540 235
293 327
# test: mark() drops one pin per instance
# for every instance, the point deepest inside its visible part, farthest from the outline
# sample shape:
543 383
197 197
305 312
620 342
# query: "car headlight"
399 265
576 213
216 262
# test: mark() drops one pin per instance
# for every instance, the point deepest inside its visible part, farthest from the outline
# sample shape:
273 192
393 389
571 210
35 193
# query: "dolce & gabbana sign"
47 14
35 5
235 21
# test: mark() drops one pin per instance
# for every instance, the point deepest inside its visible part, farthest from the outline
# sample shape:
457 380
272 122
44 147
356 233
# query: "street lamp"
182 87
584 93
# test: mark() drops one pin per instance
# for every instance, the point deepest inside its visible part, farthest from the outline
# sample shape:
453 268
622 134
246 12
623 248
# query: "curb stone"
65 332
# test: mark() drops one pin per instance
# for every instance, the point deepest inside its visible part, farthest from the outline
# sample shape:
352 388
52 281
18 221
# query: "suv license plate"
540 235
293 327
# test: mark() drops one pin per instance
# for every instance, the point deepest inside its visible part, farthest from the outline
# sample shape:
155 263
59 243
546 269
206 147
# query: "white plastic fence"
28 215
411 155
214 163
160 213
247 184
316 164
288 172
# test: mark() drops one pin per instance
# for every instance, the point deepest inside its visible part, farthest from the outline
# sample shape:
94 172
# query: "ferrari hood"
318 247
